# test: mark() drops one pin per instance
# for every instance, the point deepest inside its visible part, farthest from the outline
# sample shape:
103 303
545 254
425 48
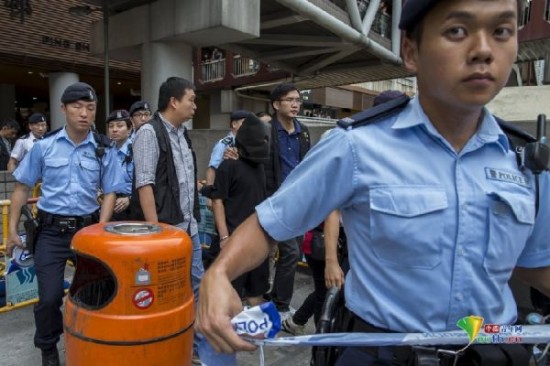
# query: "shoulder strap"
102 142
129 156
375 114
518 136
52 133
518 139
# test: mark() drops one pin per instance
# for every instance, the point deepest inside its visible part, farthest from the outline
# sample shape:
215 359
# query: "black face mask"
252 140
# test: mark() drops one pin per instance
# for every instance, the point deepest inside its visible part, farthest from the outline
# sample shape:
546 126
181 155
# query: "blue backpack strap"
374 114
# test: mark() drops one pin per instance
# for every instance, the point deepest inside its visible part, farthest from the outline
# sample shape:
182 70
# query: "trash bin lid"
132 228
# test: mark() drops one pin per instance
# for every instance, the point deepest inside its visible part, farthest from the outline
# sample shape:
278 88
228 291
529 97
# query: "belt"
67 222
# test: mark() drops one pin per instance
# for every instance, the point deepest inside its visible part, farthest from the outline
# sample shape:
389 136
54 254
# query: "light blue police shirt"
70 174
127 167
433 234
216 157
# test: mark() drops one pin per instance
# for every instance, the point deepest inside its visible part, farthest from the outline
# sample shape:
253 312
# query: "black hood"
252 140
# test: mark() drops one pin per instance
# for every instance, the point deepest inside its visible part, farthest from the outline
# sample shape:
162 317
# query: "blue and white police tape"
529 334
257 321
262 320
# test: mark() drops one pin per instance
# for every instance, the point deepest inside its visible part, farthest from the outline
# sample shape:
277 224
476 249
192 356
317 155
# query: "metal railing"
382 25
406 85
244 66
213 70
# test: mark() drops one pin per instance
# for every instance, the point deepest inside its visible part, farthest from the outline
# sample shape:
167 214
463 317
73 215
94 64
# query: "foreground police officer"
74 164
436 210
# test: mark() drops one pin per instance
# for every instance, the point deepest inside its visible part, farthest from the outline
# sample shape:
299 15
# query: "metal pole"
106 56
341 29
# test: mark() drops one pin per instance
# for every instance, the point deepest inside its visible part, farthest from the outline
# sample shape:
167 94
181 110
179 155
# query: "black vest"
273 166
166 187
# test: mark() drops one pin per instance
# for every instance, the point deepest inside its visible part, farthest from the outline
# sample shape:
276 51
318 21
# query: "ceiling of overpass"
297 37
117 6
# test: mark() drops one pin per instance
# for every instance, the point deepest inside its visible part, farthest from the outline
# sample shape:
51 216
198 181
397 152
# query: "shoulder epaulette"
51 133
375 114
228 140
25 136
514 132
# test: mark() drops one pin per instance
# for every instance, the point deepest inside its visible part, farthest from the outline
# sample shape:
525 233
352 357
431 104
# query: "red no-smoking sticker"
143 298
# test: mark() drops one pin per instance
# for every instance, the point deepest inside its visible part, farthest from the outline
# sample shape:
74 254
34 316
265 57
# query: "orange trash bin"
131 300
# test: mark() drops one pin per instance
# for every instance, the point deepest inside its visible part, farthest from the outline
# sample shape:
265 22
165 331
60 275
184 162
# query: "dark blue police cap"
37 118
119 114
240 114
413 11
138 106
78 91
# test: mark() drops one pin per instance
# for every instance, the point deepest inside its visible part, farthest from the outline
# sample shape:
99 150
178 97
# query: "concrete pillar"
159 62
7 101
58 81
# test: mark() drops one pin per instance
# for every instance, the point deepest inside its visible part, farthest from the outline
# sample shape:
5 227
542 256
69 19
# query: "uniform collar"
488 132
168 125
124 148
63 134
279 126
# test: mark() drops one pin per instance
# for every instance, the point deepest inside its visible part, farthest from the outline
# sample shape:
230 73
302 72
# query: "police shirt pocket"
511 219
90 171
56 169
406 224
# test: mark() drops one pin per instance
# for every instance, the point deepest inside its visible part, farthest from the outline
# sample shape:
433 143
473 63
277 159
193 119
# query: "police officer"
37 128
119 127
436 210
140 113
235 121
74 164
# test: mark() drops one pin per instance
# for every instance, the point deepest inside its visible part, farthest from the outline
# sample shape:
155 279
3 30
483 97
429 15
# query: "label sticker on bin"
143 276
143 298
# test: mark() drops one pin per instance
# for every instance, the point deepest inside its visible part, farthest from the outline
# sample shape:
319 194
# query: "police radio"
536 155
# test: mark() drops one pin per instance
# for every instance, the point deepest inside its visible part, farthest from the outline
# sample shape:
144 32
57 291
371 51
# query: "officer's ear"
409 53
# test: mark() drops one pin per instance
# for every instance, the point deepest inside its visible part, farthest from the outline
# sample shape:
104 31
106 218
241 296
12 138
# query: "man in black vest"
166 169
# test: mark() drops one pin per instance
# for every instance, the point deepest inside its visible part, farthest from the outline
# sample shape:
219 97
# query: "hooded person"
252 140
240 186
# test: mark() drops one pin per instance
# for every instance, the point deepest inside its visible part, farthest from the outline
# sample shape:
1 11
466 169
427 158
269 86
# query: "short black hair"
281 90
9 123
262 114
173 87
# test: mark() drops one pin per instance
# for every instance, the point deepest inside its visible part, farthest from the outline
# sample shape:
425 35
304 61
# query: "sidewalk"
17 331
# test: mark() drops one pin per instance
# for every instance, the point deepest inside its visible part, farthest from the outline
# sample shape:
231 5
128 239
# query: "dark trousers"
283 285
50 256
313 304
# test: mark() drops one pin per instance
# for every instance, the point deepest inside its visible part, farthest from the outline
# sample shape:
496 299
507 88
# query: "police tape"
529 334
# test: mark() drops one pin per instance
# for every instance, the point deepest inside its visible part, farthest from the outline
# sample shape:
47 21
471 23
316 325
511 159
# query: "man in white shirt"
38 127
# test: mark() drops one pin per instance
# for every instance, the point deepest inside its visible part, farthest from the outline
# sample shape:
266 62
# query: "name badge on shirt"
505 176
